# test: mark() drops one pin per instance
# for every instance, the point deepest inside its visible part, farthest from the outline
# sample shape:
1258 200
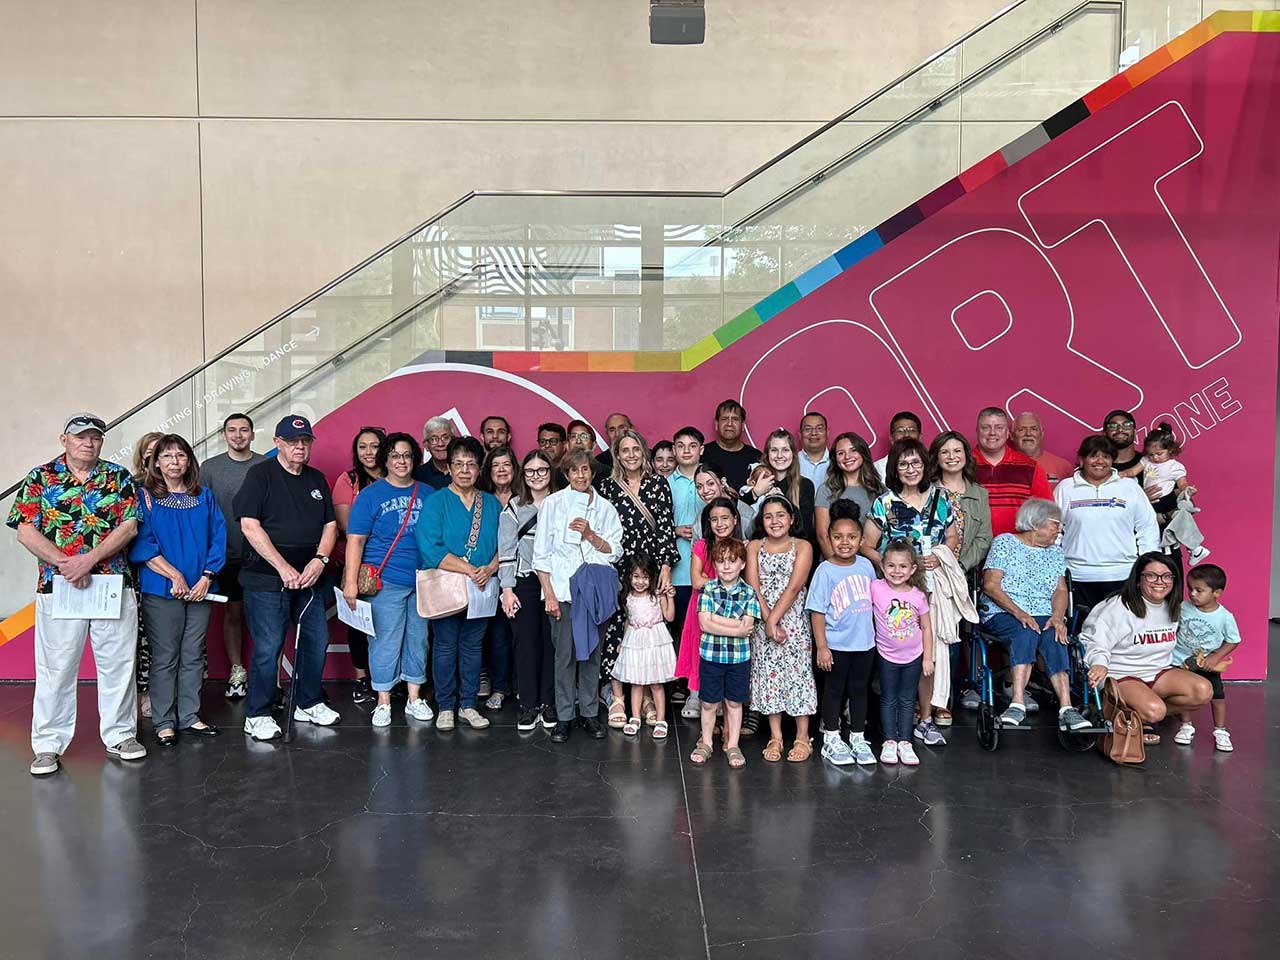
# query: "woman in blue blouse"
181 545
444 542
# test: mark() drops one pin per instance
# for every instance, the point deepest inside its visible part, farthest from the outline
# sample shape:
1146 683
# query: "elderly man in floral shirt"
76 514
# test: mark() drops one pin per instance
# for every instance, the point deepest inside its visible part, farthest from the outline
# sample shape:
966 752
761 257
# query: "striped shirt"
734 603
1009 484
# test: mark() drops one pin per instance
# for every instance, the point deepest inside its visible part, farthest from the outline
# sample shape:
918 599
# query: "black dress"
657 539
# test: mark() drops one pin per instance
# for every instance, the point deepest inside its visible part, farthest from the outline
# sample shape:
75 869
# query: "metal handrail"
711 194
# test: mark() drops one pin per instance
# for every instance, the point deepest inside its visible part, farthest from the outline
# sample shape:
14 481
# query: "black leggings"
358 645
850 676
534 655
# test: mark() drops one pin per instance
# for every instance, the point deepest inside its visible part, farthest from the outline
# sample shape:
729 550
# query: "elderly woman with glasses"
1130 638
1024 606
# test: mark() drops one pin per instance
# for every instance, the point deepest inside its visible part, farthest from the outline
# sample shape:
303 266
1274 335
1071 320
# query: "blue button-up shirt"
686 506
815 473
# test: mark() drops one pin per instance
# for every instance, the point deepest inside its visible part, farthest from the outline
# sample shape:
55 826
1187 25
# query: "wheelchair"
983 678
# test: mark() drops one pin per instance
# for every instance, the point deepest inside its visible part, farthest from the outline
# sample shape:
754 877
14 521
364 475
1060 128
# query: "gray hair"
437 423
573 458
1036 513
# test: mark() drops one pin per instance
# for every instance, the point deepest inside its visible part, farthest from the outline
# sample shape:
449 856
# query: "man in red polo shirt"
1009 476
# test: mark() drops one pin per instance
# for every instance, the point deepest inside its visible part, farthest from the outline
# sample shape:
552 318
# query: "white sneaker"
836 751
889 752
444 720
261 728
382 715
861 750
321 714
1186 733
692 709
419 710
1199 555
1222 739
474 717
907 754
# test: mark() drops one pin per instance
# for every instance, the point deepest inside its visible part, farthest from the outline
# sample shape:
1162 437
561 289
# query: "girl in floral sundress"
782 647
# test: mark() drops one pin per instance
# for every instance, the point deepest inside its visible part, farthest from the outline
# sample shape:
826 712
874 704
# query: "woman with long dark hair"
366 447
500 475
851 475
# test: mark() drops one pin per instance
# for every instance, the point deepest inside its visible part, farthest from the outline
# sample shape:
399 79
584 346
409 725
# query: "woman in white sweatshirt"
1107 521
1130 638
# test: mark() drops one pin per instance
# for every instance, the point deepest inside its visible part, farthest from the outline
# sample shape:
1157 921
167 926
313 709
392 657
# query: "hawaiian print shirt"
76 516
898 520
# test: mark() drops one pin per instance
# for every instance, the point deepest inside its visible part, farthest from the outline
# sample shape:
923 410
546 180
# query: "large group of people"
758 588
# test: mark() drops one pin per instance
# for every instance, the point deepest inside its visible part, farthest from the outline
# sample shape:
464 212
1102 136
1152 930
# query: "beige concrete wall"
175 172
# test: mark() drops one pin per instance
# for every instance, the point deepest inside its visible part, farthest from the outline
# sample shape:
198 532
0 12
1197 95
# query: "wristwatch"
324 560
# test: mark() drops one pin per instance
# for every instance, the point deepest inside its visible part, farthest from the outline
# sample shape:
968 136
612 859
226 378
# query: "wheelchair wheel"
988 727
1076 742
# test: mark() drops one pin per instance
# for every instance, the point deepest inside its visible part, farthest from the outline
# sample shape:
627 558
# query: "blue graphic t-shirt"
843 596
1200 632
377 514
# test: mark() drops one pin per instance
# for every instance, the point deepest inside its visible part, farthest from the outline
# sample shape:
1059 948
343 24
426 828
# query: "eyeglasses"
172 456
537 473
549 441
464 465
579 435
814 429
1158 577
400 455
437 440
1120 425
910 464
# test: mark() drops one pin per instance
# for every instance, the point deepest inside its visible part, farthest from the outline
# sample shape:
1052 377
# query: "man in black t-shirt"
285 511
1120 429
729 451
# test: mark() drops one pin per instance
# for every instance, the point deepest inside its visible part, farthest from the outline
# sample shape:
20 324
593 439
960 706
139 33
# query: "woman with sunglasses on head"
502 477
365 469
522 594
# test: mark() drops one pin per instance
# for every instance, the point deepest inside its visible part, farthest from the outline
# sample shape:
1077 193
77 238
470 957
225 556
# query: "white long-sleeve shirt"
1105 527
551 554
1126 645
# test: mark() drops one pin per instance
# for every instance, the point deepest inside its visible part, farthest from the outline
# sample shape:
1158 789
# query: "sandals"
650 712
750 724
631 727
773 751
801 750
617 713
942 717
659 730
701 753
736 760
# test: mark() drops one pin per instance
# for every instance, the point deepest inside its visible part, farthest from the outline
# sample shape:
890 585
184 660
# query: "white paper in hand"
101 600
361 617
579 508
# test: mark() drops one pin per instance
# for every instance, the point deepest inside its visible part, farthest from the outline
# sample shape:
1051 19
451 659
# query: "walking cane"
297 670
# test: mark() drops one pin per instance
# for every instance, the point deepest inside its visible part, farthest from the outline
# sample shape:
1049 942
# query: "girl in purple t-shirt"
904 638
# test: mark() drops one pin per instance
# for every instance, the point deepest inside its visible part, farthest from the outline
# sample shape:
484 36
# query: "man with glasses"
434 472
814 455
903 425
1009 476
1120 428
75 515
495 432
286 514
224 475
551 441
583 437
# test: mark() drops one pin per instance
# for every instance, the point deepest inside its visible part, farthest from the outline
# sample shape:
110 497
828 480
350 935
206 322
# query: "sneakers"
549 718
861 750
419 710
907 754
928 734
262 728
970 699
1186 733
361 692
1199 555
836 751
1032 704
495 701
238 683
889 752
47 763
485 687
1221 737
692 708
382 715
1069 718
475 719
561 731
527 720
321 714
129 749
1013 715
444 720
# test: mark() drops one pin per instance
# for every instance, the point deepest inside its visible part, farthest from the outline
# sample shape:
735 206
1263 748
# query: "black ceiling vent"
677 21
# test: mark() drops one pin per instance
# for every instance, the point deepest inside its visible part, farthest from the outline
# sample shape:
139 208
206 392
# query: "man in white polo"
76 514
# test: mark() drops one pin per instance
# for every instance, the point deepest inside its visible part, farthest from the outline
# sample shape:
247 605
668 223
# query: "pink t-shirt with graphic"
898 615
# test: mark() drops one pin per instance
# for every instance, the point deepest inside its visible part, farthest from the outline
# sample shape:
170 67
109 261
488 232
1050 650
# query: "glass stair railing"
605 271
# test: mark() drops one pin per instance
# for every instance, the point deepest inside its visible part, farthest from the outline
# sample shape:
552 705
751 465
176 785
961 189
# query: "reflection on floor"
356 841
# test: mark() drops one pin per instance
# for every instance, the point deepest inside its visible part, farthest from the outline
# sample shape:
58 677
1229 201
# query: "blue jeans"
455 659
398 648
498 653
269 613
1024 644
898 683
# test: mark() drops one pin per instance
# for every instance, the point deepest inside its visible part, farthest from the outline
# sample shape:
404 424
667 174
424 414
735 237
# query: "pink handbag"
442 593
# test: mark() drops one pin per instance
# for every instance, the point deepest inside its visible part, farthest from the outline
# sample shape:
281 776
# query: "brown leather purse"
442 593
1124 744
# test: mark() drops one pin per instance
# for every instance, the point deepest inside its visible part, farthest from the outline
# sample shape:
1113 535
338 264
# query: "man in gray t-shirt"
224 475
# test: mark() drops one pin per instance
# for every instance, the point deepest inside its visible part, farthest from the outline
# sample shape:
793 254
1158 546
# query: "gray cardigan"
976 507
515 558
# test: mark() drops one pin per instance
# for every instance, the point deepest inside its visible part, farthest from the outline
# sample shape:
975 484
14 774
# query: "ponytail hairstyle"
1162 437
902 546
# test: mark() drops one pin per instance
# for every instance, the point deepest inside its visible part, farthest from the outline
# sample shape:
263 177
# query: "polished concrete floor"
405 841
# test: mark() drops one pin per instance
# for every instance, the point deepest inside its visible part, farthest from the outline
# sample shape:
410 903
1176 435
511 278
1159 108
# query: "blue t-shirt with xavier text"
842 594
377 514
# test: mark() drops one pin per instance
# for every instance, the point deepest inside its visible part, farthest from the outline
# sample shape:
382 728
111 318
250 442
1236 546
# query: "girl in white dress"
646 658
